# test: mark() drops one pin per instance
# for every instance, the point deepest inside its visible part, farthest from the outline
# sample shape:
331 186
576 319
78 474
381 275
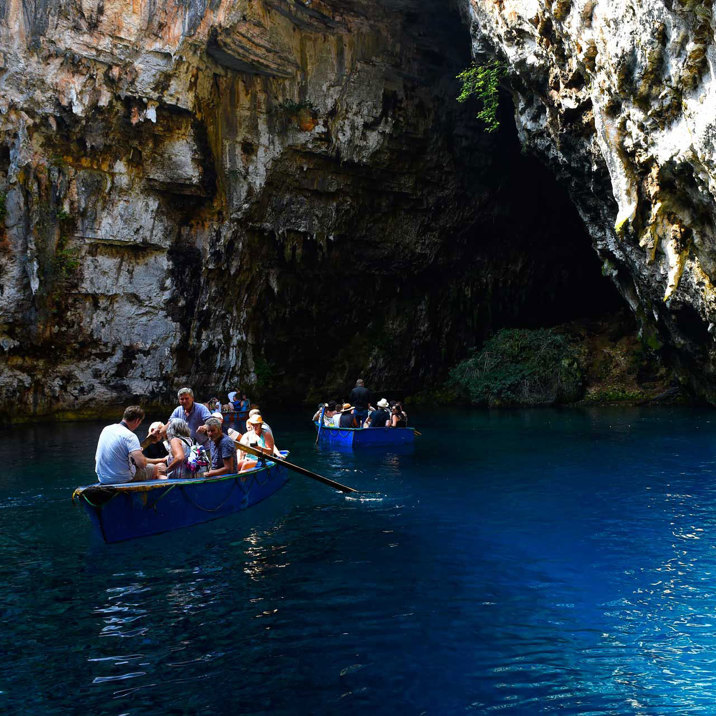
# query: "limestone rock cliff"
619 97
275 192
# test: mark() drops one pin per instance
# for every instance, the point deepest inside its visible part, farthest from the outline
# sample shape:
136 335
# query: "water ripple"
562 561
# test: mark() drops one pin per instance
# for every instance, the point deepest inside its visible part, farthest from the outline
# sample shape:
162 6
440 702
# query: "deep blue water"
519 562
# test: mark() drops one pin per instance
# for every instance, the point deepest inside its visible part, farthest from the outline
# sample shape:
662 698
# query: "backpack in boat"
198 459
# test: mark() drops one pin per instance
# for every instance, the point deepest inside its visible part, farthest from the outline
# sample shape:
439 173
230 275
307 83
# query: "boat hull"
123 512
365 437
234 416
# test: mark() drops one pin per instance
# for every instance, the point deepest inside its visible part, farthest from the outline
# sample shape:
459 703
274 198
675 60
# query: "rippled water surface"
520 562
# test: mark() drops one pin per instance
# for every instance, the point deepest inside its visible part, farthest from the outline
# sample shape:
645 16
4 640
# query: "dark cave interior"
484 238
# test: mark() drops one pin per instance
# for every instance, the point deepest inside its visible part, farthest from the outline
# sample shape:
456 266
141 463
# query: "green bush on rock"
483 82
521 367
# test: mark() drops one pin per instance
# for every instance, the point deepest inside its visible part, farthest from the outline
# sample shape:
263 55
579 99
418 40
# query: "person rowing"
256 438
326 411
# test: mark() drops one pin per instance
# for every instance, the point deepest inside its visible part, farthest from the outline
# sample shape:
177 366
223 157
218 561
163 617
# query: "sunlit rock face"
619 97
284 194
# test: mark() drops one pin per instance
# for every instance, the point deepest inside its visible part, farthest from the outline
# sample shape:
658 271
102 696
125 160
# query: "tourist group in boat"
359 412
194 442
197 440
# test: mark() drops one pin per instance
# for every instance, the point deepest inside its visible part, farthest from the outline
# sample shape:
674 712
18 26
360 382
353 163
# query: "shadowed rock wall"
280 194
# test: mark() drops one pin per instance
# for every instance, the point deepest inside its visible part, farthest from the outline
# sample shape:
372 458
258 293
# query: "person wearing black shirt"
348 418
361 398
157 449
379 418
398 417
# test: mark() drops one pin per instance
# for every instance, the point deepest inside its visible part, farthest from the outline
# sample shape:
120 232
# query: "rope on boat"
80 493
206 509
243 485
255 477
160 498
342 432
261 464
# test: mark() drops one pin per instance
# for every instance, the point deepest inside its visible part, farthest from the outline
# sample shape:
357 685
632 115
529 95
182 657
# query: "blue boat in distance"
365 437
139 509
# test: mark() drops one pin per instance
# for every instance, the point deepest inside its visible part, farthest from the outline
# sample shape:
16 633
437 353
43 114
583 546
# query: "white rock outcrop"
619 97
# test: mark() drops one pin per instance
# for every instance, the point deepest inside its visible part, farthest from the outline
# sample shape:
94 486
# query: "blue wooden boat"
234 416
138 509
365 437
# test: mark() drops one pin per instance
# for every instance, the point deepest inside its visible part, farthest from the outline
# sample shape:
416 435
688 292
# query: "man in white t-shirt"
119 456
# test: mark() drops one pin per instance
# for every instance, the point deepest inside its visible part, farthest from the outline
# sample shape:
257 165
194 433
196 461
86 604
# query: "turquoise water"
519 562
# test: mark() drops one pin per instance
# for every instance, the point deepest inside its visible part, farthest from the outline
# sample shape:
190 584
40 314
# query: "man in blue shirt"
194 413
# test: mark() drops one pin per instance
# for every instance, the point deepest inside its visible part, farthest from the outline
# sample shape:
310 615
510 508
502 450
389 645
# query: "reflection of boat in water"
365 437
138 509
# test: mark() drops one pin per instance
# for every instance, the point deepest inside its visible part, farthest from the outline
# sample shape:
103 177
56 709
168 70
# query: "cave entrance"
439 238
538 245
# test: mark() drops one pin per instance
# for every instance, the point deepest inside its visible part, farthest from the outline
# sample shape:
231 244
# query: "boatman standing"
119 456
195 415
361 398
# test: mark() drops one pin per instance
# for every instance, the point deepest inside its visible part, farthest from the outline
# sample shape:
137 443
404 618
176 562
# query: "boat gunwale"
148 485
387 427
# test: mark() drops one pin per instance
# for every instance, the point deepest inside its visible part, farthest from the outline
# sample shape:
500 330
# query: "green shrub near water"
521 367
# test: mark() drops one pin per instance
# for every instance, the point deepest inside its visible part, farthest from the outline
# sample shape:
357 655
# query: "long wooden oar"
295 468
